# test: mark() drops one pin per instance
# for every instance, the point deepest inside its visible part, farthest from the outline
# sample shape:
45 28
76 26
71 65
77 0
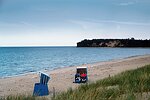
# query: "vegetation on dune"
114 43
124 86
128 85
18 98
23 97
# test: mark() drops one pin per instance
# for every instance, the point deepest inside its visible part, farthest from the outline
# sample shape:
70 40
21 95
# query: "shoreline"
48 70
62 78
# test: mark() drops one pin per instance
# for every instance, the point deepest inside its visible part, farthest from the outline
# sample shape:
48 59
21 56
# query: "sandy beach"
62 79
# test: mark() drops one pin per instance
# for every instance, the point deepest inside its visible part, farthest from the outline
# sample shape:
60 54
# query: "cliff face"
114 43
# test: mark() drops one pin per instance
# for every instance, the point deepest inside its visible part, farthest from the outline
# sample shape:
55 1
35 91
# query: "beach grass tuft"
23 97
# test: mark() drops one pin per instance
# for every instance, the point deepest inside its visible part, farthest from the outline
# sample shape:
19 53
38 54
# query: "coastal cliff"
114 43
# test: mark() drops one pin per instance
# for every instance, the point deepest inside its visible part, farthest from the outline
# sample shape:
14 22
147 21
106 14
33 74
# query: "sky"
66 22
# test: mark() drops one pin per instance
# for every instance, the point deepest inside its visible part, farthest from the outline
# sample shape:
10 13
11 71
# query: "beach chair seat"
84 79
77 78
41 89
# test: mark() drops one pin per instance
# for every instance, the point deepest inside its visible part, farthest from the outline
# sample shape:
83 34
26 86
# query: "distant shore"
114 43
62 79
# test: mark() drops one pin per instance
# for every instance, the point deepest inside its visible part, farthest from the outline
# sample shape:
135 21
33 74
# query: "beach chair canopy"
44 78
81 70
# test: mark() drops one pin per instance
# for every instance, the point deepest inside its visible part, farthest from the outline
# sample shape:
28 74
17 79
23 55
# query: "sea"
21 60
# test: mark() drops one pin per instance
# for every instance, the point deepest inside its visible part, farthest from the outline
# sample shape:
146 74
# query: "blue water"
21 60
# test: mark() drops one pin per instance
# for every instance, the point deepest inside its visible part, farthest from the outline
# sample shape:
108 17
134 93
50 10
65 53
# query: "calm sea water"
21 60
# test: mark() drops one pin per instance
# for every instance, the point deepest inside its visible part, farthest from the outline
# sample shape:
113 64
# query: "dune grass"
20 97
23 97
128 85
124 86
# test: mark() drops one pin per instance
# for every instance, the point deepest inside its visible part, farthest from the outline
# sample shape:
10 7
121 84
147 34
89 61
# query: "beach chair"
81 75
41 89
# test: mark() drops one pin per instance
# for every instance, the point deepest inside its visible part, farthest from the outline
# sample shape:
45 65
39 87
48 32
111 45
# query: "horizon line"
34 46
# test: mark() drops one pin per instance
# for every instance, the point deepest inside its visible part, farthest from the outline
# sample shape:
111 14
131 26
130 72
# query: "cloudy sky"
65 22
